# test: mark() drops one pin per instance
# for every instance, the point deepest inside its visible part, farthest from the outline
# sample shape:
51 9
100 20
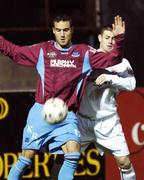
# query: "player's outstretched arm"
118 25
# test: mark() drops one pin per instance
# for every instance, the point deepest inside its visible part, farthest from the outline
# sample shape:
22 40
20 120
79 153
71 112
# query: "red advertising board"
131 111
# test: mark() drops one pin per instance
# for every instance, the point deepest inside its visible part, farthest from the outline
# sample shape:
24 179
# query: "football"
54 110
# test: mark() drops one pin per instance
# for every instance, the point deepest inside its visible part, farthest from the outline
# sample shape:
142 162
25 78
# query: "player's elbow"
132 85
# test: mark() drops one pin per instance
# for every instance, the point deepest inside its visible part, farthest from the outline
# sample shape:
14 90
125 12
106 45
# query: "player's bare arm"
118 26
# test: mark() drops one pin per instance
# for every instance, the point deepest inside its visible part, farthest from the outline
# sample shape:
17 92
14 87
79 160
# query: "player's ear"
99 37
53 29
72 29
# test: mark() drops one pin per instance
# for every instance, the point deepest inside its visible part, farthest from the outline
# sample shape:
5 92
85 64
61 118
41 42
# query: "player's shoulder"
81 45
85 47
49 43
125 61
122 66
42 44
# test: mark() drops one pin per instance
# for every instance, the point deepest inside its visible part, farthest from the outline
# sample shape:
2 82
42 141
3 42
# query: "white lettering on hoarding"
135 133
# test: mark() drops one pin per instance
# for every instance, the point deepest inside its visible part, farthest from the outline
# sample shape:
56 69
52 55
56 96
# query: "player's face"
106 41
63 33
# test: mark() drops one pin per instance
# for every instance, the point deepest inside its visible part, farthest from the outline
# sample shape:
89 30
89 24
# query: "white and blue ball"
54 110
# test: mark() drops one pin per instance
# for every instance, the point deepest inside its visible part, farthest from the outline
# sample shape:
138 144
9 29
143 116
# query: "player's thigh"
28 153
123 161
71 146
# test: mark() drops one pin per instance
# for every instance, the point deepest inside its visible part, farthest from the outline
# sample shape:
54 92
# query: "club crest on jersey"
51 54
62 63
75 54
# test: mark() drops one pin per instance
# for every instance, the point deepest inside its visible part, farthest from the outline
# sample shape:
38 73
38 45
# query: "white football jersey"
99 103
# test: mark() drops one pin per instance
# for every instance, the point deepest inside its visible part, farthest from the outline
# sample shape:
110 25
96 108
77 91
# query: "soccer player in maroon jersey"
63 68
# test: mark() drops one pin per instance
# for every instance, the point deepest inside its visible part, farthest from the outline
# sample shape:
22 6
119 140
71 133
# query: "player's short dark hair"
105 28
63 17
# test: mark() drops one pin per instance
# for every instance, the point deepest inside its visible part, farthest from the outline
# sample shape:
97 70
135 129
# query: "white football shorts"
105 133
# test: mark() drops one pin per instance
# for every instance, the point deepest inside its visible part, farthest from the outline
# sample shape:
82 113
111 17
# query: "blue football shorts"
38 133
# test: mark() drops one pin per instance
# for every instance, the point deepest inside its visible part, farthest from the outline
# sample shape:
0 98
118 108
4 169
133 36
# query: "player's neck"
64 47
100 50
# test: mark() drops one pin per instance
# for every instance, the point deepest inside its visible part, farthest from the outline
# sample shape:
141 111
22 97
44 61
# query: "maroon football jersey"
62 72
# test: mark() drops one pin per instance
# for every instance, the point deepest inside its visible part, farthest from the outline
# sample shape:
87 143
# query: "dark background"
28 22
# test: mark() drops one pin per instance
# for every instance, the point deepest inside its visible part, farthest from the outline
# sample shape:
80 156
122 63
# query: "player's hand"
100 80
118 25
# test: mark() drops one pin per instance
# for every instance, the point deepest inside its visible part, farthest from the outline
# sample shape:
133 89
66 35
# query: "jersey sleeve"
103 60
124 80
23 55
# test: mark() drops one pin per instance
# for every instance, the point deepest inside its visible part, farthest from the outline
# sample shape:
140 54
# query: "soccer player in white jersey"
99 120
